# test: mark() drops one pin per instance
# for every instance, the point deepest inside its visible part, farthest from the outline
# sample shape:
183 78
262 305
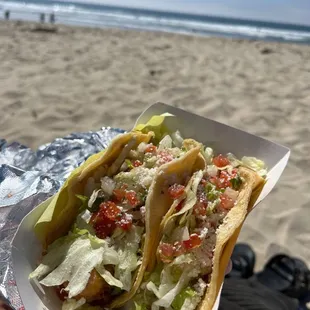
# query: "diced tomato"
104 228
103 220
110 210
165 157
222 181
220 161
151 149
136 163
226 202
178 248
179 207
131 196
175 191
166 252
216 181
125 222
119 193
234 173
225 178
200 208
193 242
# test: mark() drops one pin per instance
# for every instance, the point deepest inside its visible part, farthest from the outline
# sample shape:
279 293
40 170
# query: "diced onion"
142 147
185 233
212 170
93 197
180 234
165 143
107 185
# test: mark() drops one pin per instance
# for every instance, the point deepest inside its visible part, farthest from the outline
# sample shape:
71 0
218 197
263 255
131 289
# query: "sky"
289 11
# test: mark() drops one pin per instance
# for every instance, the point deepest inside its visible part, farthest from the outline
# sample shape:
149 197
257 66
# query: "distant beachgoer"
52 18
7 15
42 17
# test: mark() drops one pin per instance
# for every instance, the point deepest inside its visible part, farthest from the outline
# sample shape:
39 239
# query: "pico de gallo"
186 249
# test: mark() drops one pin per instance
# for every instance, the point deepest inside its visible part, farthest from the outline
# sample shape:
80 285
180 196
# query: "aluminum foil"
29 177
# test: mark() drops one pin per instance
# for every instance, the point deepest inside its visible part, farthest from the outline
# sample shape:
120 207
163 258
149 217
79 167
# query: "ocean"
97 15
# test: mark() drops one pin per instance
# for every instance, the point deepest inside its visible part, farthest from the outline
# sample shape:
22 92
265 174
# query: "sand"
76 79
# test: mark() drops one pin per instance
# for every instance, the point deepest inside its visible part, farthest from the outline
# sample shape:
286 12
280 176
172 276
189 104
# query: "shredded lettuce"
84 200
129 163
108 277
171 290
140 306
212 205
155 275
82 226
191 190
177 139
155 124
93 205
180 298
211 191
127 249
178 264
255 164
208 155
165 143
72 258
153 288
233 160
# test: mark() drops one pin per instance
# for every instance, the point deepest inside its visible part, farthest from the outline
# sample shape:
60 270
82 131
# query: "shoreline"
95 15
80 79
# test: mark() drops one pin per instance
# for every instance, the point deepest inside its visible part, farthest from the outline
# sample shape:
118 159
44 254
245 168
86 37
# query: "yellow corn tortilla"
228 232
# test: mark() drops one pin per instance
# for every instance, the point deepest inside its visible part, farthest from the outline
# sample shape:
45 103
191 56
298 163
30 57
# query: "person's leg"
249 294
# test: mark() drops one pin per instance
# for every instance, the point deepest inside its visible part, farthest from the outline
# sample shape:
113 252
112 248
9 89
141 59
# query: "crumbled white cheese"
142 147
200 287
143 210
212 170
204 233
107 185
145 176
191 303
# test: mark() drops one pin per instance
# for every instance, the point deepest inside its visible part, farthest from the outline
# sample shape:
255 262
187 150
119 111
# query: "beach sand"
77 79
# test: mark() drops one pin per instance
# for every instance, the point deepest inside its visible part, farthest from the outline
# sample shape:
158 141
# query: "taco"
198 234
99 230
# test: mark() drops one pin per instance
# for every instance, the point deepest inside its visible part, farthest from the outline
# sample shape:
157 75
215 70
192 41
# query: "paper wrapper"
222 138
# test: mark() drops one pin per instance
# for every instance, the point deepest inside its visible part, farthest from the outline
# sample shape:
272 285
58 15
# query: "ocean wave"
99 16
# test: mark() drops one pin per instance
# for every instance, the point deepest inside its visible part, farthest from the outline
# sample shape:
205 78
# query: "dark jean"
249 294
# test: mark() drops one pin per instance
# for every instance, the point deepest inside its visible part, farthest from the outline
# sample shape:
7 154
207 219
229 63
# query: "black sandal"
243 261
287 275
